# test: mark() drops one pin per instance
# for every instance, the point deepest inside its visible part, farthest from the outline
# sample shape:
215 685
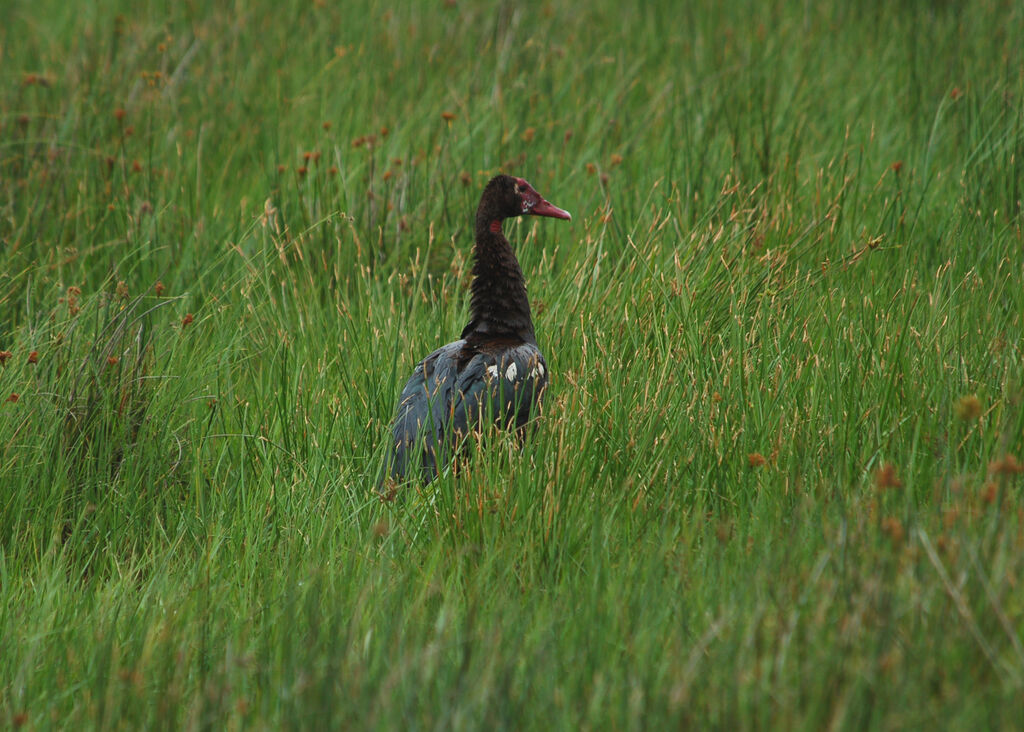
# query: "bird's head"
509 197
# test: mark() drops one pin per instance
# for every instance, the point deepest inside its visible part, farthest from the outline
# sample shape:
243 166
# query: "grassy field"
777 481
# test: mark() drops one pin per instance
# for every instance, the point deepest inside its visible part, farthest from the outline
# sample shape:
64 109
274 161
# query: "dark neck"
499 307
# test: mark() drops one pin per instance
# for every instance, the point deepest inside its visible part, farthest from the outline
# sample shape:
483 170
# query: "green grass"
776 481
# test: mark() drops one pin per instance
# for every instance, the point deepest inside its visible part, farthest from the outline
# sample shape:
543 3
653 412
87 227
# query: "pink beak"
547 209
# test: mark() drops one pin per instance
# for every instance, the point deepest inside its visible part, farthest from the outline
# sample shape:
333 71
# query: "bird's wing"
424 410
500 387
441 403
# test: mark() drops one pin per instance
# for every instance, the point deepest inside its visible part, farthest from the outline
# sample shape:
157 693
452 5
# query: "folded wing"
457 389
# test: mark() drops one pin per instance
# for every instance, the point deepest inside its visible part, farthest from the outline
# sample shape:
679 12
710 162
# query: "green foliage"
776 481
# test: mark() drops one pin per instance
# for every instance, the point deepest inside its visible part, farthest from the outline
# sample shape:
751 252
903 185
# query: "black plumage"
495 373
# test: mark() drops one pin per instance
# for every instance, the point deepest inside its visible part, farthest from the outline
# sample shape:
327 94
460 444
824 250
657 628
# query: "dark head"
506 197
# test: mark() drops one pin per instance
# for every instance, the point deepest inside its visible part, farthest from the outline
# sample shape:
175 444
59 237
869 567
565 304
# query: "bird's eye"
518 189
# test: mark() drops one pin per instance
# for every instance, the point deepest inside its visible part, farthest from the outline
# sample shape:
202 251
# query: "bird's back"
457 389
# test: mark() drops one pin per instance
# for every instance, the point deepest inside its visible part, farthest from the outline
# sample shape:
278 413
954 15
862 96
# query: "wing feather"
448 396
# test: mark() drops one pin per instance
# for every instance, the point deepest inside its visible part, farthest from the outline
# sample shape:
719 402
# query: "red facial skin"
535 205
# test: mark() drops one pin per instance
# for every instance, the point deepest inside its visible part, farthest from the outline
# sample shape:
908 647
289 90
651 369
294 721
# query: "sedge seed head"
967 408
885 477
756 460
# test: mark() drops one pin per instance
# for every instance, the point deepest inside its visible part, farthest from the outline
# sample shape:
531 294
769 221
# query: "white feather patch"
511 371
537 371
492 371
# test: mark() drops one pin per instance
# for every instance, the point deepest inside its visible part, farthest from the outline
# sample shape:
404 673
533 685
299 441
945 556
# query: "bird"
495 373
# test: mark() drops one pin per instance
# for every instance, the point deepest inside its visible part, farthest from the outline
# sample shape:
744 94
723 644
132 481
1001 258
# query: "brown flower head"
893 528
885 477
967 408
1008 465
